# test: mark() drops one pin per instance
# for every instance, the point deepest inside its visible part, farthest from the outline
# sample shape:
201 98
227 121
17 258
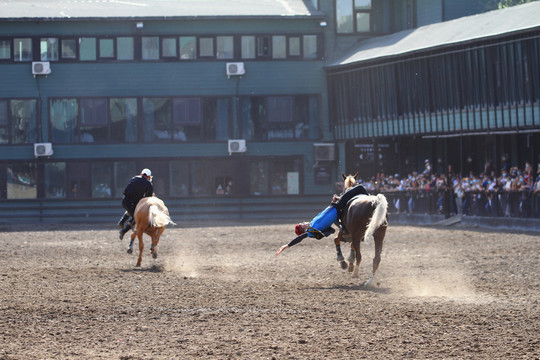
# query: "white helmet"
146 172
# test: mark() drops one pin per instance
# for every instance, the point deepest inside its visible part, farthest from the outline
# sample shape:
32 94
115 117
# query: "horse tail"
158 218
378 218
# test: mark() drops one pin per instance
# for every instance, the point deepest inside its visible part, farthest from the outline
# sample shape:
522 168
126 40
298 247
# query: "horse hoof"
340 258
130 251
343 265
154 255
351 267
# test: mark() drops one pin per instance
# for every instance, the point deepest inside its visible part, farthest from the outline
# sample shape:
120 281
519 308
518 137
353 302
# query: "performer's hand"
281 249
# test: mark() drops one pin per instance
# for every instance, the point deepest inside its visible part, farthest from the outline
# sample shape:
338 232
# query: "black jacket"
138 188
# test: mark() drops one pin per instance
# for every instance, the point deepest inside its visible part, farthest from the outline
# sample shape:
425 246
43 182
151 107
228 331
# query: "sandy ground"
218 291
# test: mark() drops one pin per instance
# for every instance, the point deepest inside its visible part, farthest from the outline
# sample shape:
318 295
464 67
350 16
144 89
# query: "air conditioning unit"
236 68
237 146
43 149
41 67
324 152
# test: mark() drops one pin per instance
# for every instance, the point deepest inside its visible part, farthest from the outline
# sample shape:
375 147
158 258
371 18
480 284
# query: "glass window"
4 132
263 46
94 120
284 176
123 119
248 47
150 47
310 47
69 49
23 121
125 48
49 48
188 47
202 180
187 119
258 177
168 47
362 4
315 3
79 180
179 178
55 180
123 172
225 47
21 181
363 22
101 180
279 47
5 49
157 114
87 49
344 16
22 49
294 46
215 118
63 120
206 47
106 48
253 112
280 117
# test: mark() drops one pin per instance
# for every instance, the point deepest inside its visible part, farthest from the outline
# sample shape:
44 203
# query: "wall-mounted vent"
235 69
237 146
43 149
41 68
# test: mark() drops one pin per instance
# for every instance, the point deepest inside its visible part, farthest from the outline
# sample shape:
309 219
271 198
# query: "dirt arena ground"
219 292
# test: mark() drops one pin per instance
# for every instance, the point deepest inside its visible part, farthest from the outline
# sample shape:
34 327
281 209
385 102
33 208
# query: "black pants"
129 205
347 196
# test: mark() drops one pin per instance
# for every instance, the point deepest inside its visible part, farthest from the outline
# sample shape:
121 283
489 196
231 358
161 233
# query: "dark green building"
237 109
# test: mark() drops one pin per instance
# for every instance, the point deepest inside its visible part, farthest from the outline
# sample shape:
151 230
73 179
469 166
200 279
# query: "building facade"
218 99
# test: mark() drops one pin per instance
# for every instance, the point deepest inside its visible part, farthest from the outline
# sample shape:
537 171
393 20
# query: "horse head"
349 180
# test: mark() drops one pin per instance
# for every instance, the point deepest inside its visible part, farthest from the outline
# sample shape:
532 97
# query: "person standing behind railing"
458 190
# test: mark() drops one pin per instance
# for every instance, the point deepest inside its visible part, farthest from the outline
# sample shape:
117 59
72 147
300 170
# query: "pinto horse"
365 218
151 217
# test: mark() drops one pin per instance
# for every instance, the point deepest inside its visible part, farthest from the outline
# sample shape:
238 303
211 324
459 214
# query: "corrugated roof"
493 23
113 9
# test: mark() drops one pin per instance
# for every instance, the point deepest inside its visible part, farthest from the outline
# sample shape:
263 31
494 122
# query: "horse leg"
340 258
155 241
130 247
379 237
351 258
141 247
358 256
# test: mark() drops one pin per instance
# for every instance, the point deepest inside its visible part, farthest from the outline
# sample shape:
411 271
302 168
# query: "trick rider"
139 186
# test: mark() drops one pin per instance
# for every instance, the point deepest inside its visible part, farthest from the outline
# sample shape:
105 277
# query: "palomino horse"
151 217
365 218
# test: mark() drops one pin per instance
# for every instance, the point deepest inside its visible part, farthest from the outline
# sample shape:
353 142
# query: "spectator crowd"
512 193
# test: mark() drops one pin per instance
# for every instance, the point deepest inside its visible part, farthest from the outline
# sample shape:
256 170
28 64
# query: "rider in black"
139 186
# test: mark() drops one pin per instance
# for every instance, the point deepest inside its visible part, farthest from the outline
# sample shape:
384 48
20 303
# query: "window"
101 180
55 180
18 124
294 46
179 178
277 176
5 49
87 49
187 119
279 47
279 117
21 181
353 16
263 46
69 49
63 117
125 48
310 47
123 112
157 115
188 47
94 121
106 48
49 48
225 47
150 47
168 48
123 172
206 47
248 47
22 49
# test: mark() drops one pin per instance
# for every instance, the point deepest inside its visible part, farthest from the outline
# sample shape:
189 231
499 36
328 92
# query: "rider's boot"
125 230
123 219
